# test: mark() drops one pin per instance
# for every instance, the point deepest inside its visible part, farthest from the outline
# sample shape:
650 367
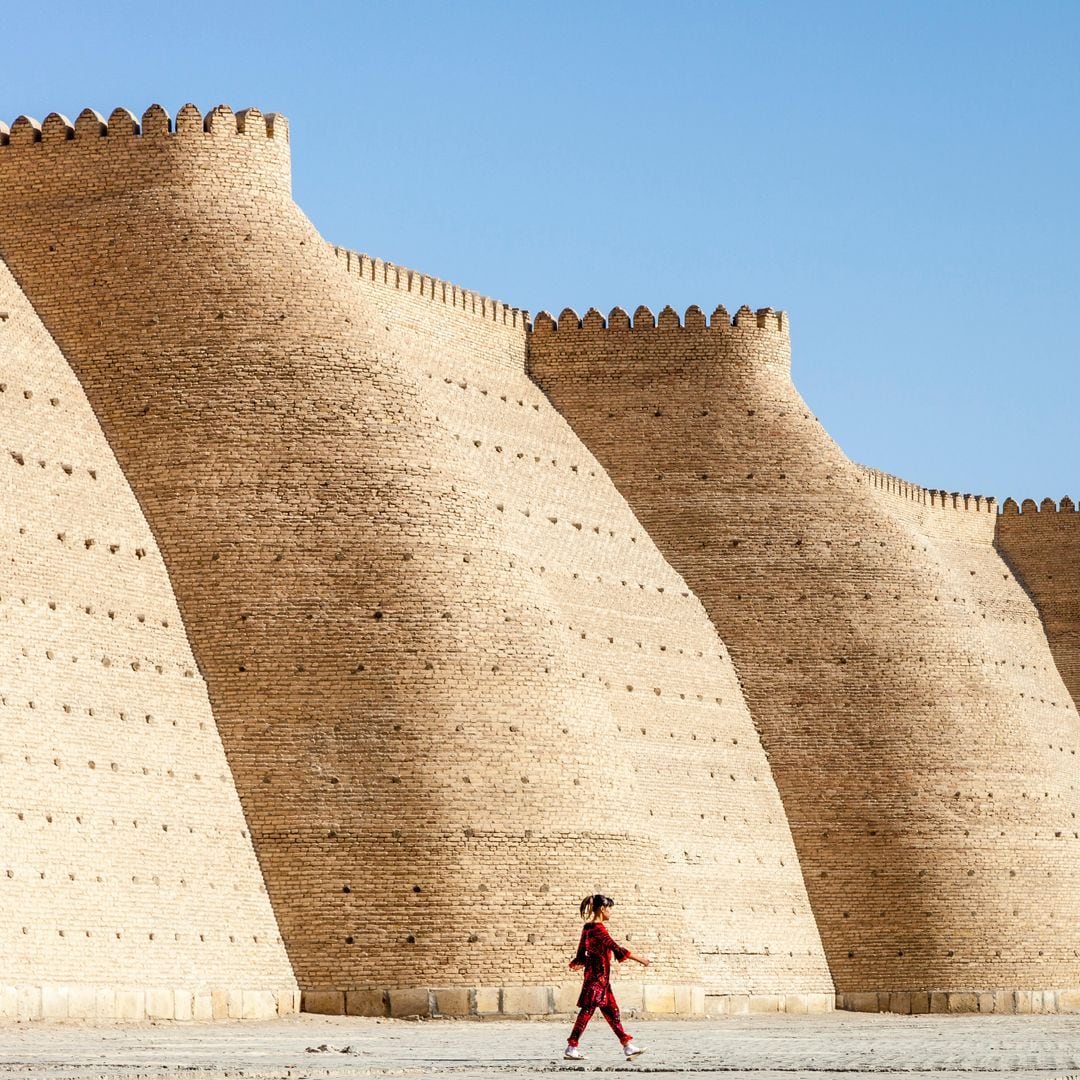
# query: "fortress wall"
947 515
427 708
649 659
920 736
452 321
128 883
1042 545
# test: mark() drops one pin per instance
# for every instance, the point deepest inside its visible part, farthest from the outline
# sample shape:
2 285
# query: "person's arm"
579 958
621 953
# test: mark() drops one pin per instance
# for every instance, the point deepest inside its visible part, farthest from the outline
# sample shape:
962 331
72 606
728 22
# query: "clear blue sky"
901 177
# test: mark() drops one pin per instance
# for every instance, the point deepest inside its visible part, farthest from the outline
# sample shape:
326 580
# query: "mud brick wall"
921 738
651 695
457 684
1042 545
128 883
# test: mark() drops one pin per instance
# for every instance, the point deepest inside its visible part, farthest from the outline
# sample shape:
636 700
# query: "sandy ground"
837 1046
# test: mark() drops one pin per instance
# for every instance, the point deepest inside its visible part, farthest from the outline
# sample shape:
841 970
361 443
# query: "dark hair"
592 904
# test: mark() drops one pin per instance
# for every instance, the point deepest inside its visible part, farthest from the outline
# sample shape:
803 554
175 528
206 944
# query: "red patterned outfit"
594 952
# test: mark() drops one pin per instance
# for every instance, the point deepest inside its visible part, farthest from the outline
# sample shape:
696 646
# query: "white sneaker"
573 1053
632 1051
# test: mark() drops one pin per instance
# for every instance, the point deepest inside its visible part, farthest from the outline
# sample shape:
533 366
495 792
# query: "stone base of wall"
746 1004
962 1001
635 999
144 1003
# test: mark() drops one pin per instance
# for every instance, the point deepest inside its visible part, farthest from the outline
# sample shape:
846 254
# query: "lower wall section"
145 1003
490 1002
962 1001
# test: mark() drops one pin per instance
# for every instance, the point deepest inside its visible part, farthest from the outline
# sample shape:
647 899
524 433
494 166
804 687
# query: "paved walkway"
837 1046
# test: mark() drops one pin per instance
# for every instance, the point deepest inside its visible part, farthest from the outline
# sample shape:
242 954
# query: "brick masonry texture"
457 683
459 665
919 732
128 882
1042 545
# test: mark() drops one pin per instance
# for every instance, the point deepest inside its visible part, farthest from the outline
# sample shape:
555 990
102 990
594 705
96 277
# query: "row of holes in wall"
464 384
147 719
89 543
977 957
85 609
429 665
417 890
158 773
20 458
120 935
108 662
60 818
27 394
547 945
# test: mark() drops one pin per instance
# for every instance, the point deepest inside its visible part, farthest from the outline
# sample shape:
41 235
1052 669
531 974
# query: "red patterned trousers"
610 1011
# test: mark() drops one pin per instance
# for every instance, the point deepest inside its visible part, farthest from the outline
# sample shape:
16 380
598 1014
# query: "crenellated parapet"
952 500
92 155
764 320
399 278
1029 509
723 345
1041 542
156 122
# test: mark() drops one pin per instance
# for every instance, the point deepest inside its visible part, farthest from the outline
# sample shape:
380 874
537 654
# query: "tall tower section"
1042 545
921 737
129 888
458 684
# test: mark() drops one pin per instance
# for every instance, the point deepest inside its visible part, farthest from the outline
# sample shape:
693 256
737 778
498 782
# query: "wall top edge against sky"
900 179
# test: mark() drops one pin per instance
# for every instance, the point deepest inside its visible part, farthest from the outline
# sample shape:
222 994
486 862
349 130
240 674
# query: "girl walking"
594 955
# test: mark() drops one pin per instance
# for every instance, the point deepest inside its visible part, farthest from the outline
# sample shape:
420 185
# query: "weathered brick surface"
922 740
1042 545
453 675
125 861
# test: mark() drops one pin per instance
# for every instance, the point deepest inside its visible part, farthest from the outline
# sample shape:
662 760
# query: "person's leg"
580 1023
611 1015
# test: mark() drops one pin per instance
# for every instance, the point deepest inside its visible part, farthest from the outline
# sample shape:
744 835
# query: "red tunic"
594 951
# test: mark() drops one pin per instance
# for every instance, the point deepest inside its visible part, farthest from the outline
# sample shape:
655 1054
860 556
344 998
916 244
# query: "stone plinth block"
766 1003
366 1003
456 1001
566 997
258 1005
487 1000
184 1004
410 1002
329 1002
160 1004
659 999
525 1001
